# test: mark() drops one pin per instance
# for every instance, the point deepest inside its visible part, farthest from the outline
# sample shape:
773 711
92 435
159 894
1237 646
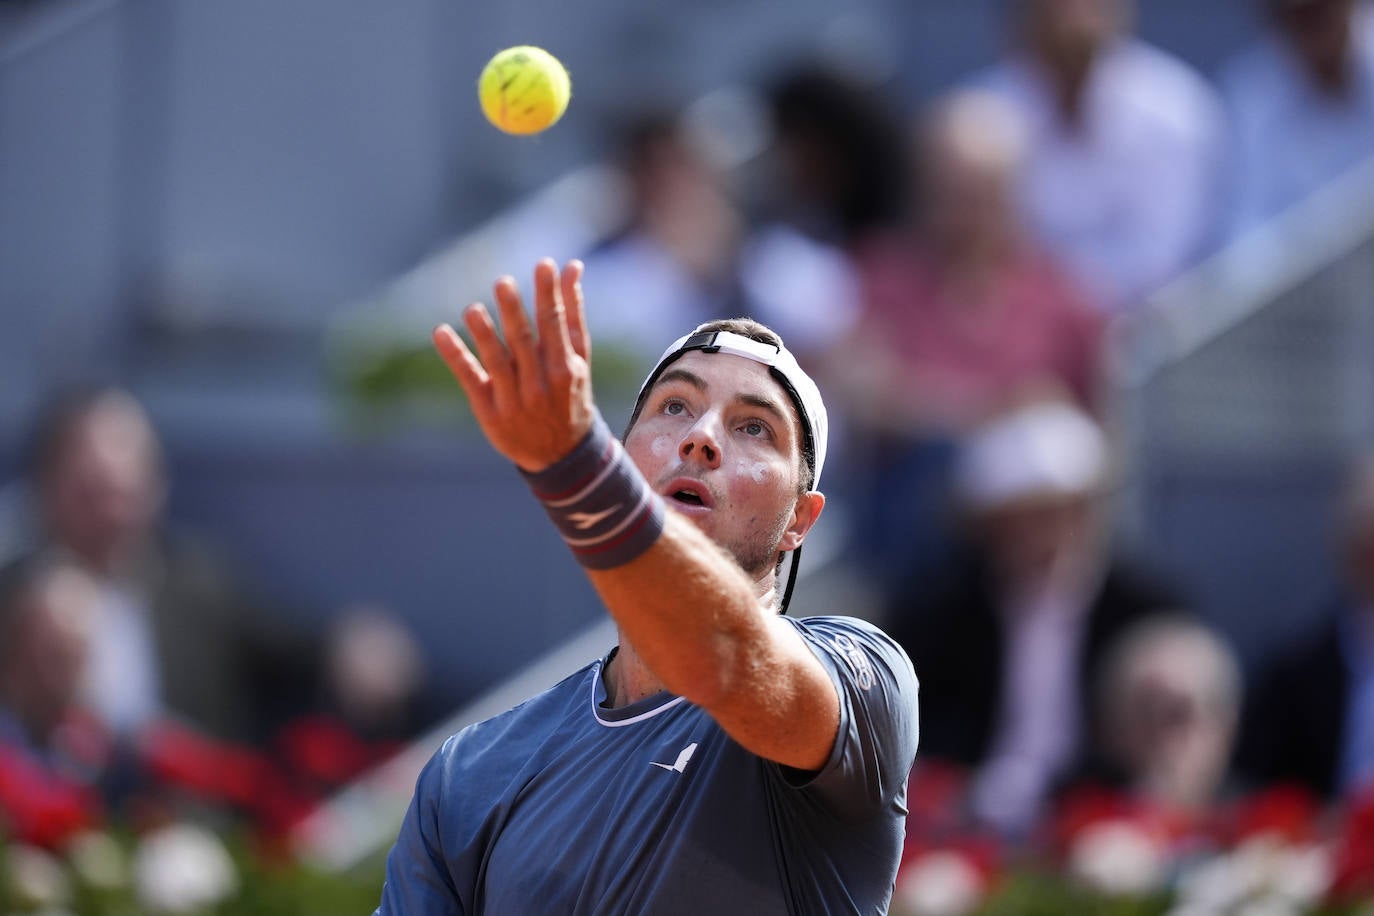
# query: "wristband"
600 503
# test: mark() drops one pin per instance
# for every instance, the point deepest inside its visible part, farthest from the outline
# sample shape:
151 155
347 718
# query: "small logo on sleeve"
683 756
857 660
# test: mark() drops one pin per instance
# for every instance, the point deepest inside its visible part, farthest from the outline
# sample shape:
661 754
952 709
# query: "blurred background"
1088 284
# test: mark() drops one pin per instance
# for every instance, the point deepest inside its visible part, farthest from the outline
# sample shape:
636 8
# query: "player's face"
719 439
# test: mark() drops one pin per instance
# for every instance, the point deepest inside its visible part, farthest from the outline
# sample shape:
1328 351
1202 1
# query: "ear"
804 515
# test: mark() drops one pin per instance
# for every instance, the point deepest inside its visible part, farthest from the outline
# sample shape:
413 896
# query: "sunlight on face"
722 425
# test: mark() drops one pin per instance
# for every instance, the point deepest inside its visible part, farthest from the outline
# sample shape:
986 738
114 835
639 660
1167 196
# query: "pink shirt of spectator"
947 354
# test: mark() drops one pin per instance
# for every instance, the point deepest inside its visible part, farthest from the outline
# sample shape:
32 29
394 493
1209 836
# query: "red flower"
1090 805
324 751
1355 853
1288 811
221 772
40 807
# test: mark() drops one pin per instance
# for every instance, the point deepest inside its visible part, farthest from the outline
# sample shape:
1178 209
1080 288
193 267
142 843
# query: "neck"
629 678
1068 75
1333 80
114 559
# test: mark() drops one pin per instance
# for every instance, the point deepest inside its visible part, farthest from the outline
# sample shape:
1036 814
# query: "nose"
701 443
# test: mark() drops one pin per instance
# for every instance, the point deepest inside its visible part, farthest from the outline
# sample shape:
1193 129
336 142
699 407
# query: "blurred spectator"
173 632
1302 105
374 674
836 175
50 753
965 312
1124 143
841 170
369 700
1009 642
687 253
675 262
1310 720
960 316
1170 700
47 613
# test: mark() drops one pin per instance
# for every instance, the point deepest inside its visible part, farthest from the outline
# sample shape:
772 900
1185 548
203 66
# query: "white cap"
798 385
1046 450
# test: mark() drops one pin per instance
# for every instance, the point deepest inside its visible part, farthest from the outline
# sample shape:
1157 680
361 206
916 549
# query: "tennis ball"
524 90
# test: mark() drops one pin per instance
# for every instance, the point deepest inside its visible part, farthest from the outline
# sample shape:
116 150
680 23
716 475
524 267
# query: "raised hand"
531 392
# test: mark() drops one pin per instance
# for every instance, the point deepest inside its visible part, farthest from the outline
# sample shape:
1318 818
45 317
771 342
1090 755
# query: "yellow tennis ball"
524 90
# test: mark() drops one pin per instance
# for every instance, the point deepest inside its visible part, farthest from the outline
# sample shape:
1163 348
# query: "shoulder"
879 729
1157 85
832 624
860 650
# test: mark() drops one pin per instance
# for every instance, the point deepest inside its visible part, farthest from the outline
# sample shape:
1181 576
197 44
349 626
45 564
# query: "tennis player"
724 758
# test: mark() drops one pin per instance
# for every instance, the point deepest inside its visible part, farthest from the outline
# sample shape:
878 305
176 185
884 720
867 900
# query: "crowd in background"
949 275
952 280
138 673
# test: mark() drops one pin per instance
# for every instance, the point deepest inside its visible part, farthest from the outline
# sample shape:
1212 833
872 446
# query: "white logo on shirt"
682 758
584 520
857 659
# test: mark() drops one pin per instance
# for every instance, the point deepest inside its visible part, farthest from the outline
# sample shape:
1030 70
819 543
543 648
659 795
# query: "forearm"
687 609
680 600
690 612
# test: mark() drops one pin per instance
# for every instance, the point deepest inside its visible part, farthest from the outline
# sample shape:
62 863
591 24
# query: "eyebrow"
682 375
768 405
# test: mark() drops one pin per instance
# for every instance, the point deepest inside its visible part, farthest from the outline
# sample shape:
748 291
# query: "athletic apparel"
562 806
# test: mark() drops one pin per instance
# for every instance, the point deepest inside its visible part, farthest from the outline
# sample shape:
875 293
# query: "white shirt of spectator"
1289 139
803 289
1038 726
122 681
635 289
1127 197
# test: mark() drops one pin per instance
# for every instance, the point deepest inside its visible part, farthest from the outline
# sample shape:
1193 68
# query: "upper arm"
841 715
417 875
783 705
875 742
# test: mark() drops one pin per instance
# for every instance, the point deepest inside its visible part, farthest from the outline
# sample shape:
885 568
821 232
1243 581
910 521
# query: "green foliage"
1042 893
297 890
1038 894
383 386
265 888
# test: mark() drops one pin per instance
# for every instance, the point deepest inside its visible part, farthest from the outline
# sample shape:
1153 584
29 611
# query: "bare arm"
691 613
687 608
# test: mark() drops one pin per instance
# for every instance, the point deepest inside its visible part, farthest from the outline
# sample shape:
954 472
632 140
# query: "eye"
754 428
674 408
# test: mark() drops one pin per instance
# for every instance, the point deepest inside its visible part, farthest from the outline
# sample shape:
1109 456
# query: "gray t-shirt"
561 806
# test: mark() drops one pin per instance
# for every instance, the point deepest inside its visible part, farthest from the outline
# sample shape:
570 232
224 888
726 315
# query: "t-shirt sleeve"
879 722
418 879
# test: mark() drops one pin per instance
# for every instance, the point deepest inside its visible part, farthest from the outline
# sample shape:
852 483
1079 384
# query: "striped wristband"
601 504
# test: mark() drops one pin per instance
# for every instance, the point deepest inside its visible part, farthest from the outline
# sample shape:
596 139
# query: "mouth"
689 494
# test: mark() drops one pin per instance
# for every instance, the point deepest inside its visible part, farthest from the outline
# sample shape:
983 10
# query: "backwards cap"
783 366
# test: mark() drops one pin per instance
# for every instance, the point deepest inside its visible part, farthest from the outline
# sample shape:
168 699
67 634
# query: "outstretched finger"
520 338
552 318
573 304
460 361
492 353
